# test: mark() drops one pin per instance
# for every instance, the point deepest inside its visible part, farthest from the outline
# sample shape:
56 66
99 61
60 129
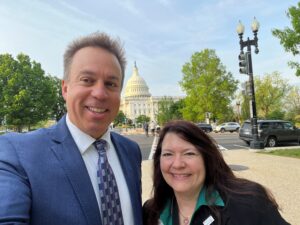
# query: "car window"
264 126
288 126
246 125
278 126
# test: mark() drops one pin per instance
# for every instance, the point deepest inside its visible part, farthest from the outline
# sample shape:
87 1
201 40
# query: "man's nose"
99 90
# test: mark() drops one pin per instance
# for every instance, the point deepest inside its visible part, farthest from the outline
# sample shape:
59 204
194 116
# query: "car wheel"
222 130
237 129
271 141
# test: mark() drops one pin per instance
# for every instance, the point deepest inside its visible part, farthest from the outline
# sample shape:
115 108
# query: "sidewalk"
280 174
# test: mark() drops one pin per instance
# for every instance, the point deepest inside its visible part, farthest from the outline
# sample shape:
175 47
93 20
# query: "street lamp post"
238 104
246 67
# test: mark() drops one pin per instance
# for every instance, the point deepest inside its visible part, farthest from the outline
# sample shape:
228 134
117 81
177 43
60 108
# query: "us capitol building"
137 99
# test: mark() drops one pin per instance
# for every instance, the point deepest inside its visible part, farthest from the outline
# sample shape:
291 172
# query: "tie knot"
100 145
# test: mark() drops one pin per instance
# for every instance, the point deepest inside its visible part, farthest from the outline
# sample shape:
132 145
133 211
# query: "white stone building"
137 100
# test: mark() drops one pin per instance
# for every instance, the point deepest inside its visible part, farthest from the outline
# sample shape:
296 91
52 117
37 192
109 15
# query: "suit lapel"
72 162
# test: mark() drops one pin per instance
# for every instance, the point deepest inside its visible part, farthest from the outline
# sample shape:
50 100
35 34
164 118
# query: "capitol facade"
137 100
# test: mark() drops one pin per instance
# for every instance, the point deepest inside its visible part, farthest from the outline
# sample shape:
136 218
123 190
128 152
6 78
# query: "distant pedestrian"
146 129
157 129
152 127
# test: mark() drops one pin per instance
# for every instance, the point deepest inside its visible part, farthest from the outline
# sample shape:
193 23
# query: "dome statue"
136 85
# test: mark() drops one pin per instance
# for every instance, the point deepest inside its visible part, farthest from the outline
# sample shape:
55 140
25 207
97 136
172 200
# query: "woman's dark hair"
219 176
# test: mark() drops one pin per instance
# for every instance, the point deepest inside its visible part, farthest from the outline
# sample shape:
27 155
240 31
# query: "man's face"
92 91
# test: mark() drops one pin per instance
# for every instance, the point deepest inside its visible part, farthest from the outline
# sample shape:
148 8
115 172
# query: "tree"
59 106
168 109
26 93
141 119
176 109
7 67
244 99
269 93
120 118
208 86
292 104
290 37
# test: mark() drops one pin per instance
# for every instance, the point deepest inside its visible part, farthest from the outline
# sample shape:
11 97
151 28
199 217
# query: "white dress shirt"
90 156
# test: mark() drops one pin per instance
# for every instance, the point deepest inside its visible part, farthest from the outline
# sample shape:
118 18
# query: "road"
227 141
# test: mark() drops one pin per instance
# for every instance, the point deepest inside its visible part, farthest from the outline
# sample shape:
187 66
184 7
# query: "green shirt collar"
166 215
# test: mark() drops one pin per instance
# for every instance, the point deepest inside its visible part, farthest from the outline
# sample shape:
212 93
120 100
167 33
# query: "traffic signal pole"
255 144
247 69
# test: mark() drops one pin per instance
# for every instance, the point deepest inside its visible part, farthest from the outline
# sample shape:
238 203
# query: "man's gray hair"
97 39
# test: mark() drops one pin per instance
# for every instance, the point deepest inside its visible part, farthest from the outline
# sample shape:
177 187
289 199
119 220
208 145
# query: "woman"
192 184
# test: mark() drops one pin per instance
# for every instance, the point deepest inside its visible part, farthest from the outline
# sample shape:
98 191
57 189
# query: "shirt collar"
83 140
166 214
215 199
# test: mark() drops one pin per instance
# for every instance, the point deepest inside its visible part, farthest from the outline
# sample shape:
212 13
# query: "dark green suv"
271 132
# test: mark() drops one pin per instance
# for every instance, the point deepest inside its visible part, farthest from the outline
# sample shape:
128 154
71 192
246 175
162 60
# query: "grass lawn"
295 153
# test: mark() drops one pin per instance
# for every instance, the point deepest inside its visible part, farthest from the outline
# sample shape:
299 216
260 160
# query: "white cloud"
130 6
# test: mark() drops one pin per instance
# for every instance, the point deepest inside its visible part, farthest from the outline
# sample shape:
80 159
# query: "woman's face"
182 165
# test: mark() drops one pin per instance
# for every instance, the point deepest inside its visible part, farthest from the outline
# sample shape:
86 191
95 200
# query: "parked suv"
230 126
271 132
205 127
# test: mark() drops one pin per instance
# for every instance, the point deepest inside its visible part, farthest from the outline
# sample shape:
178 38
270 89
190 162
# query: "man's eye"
111 84
86 80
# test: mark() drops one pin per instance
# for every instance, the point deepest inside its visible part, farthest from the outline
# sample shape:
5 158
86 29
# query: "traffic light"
243 58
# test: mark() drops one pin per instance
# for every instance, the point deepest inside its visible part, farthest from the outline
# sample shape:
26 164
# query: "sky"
160 35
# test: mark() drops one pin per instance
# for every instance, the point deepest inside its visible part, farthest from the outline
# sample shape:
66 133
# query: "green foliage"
294 153
141 119
277 114
208 86
290 37
168 109
26 93
120 118
270 91
245 107
59 107
297 120
292 104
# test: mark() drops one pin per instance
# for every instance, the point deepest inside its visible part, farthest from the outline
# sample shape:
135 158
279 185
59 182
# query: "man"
152 127
51 176
146 128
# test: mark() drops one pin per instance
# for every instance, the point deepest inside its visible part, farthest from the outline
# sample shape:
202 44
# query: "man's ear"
64 89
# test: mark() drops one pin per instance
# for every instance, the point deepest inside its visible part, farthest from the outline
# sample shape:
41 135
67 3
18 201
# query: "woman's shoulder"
255 203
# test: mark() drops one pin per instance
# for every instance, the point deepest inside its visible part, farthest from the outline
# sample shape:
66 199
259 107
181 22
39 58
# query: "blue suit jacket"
44 181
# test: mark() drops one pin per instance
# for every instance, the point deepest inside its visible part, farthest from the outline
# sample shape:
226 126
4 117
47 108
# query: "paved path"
280 174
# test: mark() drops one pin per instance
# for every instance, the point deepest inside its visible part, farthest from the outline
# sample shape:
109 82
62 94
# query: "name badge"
208 221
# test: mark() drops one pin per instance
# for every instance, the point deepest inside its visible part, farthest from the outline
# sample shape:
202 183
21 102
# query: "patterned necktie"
109 195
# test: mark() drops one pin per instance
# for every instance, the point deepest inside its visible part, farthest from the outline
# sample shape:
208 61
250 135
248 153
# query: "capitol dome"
136 85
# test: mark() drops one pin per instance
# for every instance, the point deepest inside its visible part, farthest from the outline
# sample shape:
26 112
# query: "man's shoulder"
30 138
121 138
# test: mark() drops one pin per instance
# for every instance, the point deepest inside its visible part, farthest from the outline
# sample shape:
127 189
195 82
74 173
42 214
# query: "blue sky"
160 35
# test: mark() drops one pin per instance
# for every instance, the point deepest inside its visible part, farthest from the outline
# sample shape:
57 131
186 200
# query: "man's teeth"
97 110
